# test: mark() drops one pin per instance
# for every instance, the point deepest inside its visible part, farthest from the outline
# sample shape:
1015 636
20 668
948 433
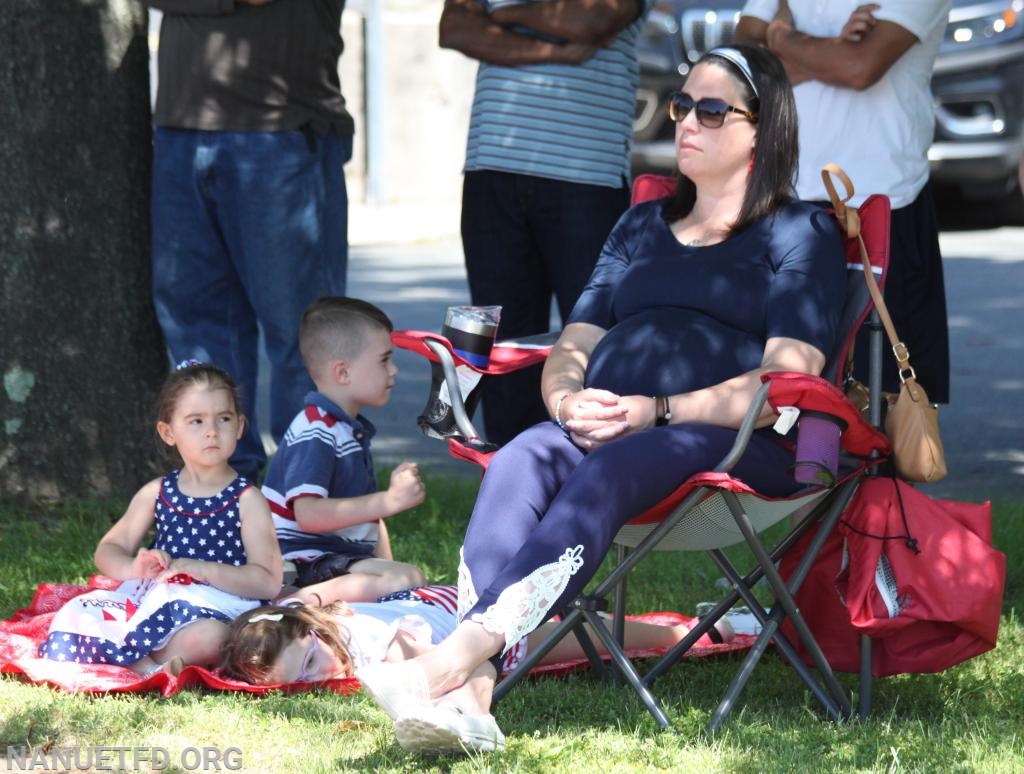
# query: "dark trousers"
527 239
916 297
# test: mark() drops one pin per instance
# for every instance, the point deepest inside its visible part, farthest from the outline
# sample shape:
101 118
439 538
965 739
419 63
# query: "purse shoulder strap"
849 221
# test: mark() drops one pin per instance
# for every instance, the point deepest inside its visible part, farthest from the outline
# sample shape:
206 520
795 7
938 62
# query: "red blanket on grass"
21 635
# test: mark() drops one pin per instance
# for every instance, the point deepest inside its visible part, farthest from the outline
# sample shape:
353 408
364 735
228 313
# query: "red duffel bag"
918 574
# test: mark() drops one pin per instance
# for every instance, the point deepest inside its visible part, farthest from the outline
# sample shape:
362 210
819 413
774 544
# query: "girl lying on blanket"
215 555
289 643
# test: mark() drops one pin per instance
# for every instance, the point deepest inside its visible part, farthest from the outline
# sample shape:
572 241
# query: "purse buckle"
899 349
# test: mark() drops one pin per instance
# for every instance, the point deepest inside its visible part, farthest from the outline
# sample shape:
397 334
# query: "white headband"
737 58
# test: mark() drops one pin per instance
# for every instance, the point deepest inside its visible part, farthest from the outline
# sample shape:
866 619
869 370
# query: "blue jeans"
527 238
248 229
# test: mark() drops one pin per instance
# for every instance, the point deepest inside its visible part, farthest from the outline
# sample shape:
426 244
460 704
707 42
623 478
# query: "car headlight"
985 21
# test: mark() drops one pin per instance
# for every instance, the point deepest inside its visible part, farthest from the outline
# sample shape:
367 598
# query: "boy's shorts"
331 565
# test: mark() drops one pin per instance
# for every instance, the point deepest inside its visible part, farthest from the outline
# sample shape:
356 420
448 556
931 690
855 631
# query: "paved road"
414 284
983 427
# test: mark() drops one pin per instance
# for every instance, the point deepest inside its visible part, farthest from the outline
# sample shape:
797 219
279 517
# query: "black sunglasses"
710 112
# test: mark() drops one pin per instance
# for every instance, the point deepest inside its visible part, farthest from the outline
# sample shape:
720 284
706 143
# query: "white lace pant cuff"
524 605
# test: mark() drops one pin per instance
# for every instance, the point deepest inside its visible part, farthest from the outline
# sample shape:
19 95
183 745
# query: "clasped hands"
595 417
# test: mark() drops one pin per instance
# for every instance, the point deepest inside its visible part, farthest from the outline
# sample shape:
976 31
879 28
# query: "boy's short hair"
337 327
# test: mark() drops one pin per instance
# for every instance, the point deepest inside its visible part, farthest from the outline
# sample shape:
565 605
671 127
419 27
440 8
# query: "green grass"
967 719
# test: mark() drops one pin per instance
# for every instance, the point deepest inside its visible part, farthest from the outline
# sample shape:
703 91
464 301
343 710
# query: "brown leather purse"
911 421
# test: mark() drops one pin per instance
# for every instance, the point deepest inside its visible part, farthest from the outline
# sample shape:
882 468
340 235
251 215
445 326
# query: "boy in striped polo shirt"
321 484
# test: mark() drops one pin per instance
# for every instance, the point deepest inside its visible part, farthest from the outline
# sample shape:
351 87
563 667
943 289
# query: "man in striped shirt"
547 163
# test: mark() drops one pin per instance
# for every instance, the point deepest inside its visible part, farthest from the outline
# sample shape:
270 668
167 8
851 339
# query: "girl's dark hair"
776 147
253 647
192 375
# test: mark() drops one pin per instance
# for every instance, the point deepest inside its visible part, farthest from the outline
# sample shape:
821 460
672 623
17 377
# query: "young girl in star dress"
215 554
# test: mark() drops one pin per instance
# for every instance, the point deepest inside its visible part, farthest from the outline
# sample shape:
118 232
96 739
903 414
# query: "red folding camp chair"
712 510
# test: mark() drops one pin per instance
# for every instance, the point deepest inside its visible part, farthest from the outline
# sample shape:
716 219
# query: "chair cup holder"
471 331
817 448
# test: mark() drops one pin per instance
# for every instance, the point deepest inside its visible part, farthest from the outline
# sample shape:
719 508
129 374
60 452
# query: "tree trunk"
80 349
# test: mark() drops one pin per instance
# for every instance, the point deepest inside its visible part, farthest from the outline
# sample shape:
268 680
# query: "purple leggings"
542 495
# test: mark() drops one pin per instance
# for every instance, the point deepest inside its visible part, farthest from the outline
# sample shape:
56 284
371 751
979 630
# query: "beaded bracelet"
558 411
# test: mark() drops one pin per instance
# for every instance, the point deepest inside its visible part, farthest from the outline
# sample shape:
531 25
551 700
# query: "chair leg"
832 695
575 618
773 621
864 689
770 632
739 681
680 648
627 670
569 621
597 667
614 580
572 621
589 604
748 581
619 609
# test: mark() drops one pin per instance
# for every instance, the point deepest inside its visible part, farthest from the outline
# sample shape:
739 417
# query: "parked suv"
978 85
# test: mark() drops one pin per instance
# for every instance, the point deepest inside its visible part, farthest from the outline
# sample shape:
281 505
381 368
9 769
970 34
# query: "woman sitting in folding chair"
692 299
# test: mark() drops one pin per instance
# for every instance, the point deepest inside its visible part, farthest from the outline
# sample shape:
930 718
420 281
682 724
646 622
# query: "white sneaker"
446 729
737 620
743 621
396 687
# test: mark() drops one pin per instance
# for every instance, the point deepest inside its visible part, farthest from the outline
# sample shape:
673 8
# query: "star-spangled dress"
123 625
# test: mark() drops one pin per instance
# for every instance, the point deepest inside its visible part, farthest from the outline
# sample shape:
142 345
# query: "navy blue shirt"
325 453
681 318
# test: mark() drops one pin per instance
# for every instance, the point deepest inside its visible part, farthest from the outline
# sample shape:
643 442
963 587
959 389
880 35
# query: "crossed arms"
583 25
856 58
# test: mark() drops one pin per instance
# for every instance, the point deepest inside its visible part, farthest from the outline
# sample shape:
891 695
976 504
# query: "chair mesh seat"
710 524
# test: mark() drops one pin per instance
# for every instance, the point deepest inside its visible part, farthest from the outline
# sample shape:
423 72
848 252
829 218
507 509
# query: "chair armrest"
506 356
746 429
781 388
808 393
812 393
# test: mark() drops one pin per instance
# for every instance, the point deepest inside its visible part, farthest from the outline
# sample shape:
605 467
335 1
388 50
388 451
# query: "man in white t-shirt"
861 76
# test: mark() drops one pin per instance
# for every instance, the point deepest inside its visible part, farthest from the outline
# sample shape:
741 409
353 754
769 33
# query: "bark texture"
80 350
